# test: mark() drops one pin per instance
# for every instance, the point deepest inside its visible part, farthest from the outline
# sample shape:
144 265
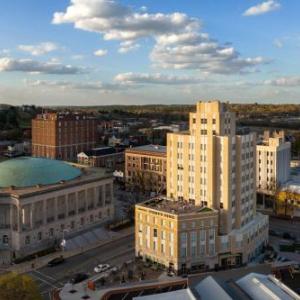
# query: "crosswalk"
45 282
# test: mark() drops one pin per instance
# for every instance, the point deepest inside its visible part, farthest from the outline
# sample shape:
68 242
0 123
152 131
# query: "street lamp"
63 241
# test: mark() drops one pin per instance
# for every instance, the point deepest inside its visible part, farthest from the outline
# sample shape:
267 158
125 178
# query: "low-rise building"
182 236
42 199
105 157
145 168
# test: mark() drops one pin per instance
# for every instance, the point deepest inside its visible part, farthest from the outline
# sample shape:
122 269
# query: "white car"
101 268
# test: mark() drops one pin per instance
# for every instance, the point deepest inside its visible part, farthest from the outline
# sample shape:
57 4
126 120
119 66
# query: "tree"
18 287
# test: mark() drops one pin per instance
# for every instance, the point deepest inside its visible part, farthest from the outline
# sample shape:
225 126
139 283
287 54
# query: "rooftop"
149 148
174 207
85 175
265 287
100 151
30 171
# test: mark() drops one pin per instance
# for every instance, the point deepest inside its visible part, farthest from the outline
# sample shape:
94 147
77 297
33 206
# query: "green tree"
18 287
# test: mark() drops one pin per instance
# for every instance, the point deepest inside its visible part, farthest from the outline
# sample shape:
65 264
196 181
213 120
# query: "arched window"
5 239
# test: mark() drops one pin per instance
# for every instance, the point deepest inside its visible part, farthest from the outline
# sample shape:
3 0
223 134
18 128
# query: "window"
193 237
202 235
203 121
27 240
202 249
155 232
214 121
211 249
5 239
39 235
51 232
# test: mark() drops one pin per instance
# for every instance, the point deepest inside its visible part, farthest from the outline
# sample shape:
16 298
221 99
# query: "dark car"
79 277
56 261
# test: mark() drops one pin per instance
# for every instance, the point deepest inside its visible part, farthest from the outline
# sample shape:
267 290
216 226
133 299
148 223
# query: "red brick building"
63 135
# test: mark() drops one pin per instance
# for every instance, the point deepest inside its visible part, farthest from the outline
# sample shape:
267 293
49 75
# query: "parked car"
56 261
171 274
79 277
101 268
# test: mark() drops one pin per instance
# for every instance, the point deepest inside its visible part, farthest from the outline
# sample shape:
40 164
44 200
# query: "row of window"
51 232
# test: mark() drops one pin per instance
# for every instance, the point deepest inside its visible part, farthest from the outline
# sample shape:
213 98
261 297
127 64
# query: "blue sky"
99 52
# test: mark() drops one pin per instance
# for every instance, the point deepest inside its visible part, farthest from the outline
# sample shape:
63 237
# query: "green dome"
30 171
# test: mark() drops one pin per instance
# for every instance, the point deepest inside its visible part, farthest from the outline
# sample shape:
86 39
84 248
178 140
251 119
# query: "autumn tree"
18 287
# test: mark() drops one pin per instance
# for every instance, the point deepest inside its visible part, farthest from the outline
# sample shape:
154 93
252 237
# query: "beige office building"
210 166
273 157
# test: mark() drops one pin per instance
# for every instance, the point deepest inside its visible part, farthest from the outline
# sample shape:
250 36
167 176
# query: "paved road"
285 226
114 253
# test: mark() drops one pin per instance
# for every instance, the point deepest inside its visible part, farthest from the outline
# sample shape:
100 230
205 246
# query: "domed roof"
30 171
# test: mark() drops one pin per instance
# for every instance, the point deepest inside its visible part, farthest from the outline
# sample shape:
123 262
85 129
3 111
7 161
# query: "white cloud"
8 64
198 51
89 85
77 57
278 43
100 52
4 51
292 81
178 42
118 22
262 8
39 49
157 78
128 46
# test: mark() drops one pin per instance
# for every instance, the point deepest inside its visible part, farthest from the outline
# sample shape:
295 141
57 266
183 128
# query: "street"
114 253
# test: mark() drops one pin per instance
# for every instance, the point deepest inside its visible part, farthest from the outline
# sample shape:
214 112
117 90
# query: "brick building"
145 167
63 135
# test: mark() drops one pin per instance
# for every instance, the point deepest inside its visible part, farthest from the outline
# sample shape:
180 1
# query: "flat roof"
149 148
174 207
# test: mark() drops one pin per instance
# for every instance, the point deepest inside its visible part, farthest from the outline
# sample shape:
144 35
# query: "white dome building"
41 198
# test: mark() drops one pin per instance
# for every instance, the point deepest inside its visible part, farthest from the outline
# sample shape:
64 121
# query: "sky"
104 52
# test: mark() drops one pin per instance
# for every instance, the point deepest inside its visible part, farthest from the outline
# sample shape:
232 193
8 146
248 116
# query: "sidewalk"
42 261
